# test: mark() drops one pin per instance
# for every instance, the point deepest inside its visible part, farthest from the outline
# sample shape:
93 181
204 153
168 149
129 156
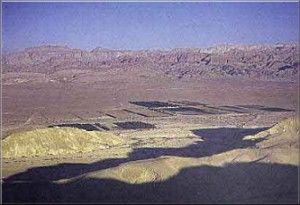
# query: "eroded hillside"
251 61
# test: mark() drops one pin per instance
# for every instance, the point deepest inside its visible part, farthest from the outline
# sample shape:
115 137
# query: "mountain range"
276 61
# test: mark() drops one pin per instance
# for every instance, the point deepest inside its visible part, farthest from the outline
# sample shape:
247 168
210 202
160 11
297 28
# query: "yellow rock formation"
56 141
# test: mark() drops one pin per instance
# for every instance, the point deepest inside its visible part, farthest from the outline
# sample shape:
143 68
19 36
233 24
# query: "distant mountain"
253 61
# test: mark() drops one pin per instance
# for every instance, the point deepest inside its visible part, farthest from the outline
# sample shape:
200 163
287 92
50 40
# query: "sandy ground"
197 158
46 100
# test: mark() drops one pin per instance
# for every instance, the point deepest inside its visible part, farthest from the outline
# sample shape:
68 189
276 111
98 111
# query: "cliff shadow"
233 183
215 141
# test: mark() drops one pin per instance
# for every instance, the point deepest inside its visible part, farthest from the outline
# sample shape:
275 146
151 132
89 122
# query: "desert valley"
189 125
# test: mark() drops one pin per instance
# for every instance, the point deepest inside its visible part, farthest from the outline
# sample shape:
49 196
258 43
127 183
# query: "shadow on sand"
234 183
240 182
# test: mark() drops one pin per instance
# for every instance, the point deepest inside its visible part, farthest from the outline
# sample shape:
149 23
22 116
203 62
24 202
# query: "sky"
146 25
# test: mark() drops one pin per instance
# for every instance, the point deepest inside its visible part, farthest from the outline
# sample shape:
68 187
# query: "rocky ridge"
229 60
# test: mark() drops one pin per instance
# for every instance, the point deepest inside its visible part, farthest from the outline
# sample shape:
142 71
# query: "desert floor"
196 149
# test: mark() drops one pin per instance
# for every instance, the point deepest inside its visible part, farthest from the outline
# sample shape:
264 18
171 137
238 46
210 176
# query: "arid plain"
216 125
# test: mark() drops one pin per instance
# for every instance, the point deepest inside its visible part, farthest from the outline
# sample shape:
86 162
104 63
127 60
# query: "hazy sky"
146 25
